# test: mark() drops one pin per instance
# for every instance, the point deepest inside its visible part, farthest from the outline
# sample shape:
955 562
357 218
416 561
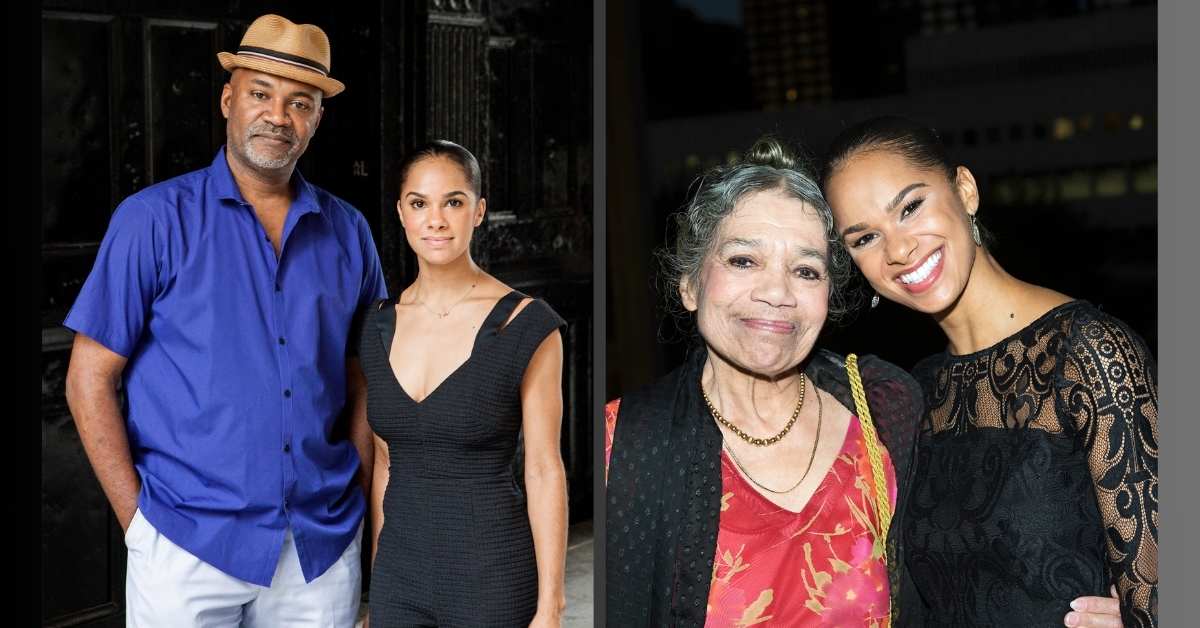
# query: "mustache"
270 130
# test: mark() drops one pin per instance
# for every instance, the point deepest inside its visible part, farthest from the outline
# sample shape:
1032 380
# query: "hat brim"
329 87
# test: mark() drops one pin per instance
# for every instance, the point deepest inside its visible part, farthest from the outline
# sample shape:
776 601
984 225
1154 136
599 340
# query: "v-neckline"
760 496
464 363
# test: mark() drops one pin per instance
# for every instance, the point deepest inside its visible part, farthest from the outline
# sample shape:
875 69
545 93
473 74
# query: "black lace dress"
1037 475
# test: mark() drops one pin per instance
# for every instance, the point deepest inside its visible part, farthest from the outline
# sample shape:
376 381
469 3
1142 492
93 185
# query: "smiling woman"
1054 401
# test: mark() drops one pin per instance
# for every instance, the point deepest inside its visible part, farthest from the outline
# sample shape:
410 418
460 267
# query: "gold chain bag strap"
883 508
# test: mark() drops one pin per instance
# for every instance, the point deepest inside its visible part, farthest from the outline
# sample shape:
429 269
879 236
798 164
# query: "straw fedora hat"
276 45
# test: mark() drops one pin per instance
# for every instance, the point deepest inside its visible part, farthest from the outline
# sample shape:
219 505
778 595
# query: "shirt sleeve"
372 287
1109 389
114 303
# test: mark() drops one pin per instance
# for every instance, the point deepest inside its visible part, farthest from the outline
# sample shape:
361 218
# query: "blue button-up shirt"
236 372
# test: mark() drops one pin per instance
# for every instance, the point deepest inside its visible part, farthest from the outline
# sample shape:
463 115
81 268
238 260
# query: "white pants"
167 586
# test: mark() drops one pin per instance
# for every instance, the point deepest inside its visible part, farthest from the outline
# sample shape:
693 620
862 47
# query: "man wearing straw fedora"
222 301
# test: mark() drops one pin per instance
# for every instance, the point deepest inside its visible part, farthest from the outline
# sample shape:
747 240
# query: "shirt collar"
223 185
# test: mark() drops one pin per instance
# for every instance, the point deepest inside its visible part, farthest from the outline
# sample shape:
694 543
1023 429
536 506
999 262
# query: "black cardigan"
664 489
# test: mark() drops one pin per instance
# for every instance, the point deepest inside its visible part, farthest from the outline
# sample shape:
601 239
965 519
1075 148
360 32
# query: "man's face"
269 119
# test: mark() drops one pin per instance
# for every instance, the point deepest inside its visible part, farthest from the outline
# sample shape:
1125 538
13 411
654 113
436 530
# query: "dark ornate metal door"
511 80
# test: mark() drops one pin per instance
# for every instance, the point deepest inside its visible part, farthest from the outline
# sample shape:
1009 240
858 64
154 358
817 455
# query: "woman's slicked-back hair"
920 145
768 165
454 152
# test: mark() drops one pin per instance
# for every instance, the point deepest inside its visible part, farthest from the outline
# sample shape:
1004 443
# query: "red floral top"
822 566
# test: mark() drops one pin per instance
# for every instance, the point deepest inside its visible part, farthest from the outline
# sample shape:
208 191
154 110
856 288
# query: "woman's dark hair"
768 165
454 152
920 145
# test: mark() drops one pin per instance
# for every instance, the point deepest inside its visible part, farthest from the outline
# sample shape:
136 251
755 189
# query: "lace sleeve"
1109 391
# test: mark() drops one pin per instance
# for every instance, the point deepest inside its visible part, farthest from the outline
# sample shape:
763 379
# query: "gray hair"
768 165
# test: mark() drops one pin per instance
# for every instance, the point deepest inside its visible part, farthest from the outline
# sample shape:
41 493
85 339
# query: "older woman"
750 485
1038 472
741 488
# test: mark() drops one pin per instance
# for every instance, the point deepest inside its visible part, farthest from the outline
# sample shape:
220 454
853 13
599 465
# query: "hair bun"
769 151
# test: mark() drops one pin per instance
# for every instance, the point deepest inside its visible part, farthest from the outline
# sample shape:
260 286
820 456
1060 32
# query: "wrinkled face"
908 229
439 210
763 292
269 119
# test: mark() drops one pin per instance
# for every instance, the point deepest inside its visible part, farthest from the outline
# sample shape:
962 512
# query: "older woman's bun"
769 151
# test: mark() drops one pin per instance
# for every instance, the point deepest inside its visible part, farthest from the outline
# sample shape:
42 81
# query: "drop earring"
875 301
975 231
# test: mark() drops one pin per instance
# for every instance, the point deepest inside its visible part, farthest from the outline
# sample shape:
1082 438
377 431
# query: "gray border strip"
599 301
1178 227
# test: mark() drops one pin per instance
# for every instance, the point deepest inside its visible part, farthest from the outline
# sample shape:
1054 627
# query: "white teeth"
922 273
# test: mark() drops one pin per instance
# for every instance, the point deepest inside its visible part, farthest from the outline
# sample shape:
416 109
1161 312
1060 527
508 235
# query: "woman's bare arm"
545 478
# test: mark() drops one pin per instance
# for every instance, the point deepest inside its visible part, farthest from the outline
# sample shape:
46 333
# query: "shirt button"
287 447
287 392
282 341
277 288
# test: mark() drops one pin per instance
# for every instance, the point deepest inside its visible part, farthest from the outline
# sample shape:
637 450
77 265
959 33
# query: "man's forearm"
360 435
360 429
97 413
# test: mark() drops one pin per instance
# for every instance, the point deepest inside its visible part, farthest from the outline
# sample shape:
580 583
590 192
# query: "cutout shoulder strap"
499 315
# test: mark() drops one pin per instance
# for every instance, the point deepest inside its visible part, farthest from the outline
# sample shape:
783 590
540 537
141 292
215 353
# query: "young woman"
457 367
1037 465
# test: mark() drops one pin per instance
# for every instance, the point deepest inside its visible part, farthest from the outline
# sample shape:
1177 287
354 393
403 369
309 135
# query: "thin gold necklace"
446 312
758 442
812 456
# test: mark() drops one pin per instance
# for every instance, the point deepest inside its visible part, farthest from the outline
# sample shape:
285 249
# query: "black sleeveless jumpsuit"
456 548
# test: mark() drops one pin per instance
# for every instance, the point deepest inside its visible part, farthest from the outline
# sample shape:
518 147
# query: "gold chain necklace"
446 312
812 456
758 442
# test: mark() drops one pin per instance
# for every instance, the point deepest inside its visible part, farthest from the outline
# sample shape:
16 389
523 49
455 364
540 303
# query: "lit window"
1136 122
1145 179
1112 182
692 162
1112 121
792 94
1085 123
1075 185
1005 192
1032 192
1050 188
1064 128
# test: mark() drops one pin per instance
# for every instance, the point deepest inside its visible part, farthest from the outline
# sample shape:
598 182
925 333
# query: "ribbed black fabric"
663 493
456 548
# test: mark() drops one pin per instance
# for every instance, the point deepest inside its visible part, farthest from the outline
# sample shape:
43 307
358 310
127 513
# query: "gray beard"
264 162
